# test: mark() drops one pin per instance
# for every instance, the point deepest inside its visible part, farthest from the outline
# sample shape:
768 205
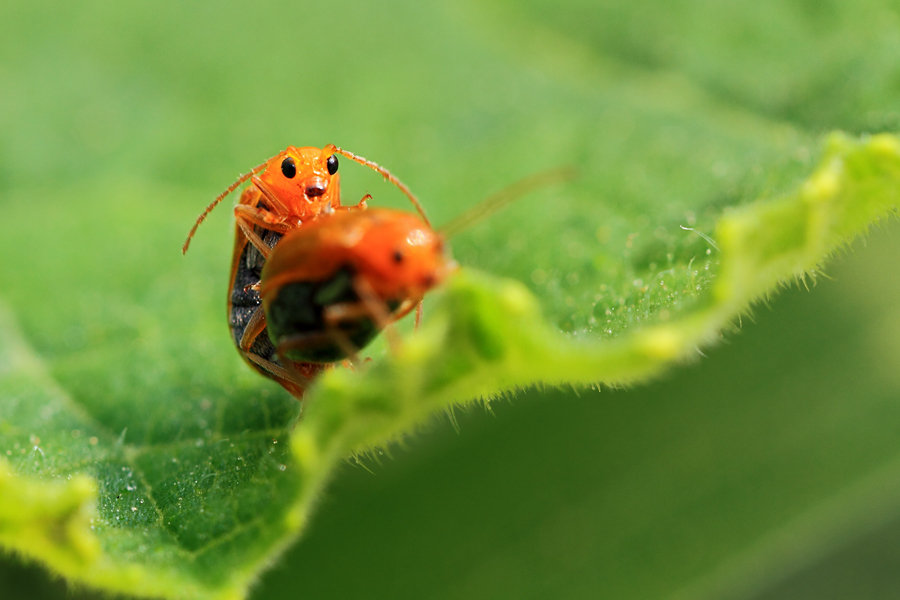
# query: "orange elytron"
289 191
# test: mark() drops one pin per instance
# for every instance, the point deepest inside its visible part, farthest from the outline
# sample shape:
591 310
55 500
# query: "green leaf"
698 195
48 520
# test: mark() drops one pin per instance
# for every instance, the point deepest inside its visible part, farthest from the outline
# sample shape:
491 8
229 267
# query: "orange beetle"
332 285
288 191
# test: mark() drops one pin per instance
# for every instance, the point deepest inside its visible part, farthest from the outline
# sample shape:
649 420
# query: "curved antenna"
384 173
498 200
218 199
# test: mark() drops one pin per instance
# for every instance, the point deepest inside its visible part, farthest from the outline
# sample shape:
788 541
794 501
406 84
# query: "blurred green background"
768 469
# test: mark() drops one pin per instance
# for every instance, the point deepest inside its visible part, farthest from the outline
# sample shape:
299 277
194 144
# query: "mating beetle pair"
313 281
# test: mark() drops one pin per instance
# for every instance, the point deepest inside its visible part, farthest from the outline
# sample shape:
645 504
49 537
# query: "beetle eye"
288 167
332 164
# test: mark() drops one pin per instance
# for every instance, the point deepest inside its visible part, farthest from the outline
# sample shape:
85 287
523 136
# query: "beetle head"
304 180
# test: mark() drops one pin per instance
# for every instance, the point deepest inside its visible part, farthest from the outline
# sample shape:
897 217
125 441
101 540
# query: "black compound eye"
289 167
332 164
397 256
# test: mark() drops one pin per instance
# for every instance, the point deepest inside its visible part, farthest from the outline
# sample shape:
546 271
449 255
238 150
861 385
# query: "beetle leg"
375 306
255 326
262 217
293 381
248 216
252 237
407 307
369 305
274 201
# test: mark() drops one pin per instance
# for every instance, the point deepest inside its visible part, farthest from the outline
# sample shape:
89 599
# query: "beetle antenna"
498 200
387 175
218 199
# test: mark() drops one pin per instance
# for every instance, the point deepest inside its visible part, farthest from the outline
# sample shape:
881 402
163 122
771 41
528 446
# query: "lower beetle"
332 285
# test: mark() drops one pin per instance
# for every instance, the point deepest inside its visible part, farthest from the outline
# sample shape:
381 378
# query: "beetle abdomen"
245 298
297 319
